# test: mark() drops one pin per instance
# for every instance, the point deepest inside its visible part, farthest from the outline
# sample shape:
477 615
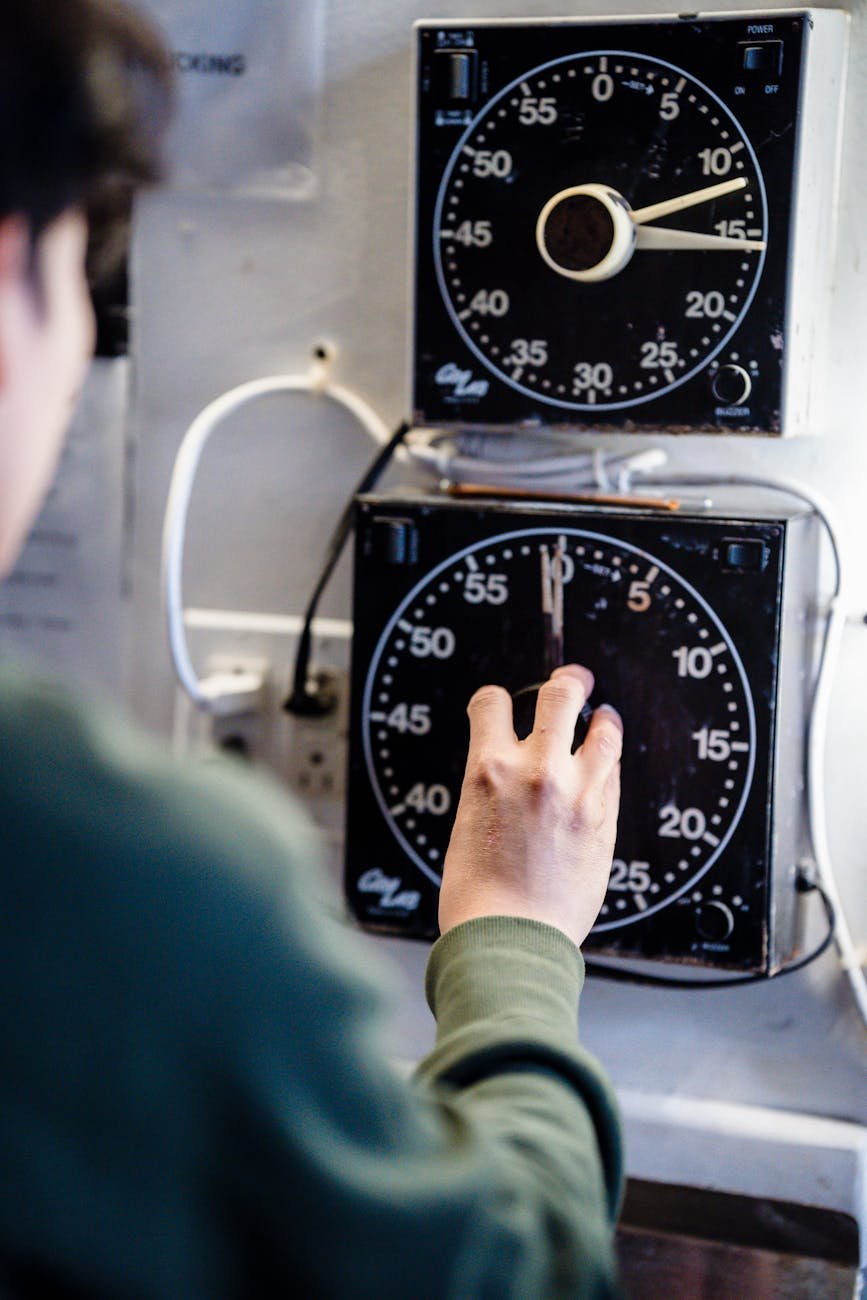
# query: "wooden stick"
588 498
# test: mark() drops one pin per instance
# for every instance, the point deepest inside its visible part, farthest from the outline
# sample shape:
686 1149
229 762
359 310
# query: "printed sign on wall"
249 77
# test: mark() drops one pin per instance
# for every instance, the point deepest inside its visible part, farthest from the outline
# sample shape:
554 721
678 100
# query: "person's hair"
85 97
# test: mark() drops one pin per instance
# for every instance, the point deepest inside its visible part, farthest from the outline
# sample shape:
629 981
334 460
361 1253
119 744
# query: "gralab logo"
464 387
389 888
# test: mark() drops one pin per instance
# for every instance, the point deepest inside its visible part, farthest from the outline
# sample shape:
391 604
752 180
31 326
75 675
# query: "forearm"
505 993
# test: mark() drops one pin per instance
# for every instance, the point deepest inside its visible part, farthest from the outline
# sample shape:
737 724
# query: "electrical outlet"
240 722
314 761
308 753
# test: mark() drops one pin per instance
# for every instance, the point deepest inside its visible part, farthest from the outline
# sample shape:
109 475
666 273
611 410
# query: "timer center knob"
586 233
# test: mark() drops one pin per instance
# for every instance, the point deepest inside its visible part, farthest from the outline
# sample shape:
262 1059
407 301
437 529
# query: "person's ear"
15 264
14 248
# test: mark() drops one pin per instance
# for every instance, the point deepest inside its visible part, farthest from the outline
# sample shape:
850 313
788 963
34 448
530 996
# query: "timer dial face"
604 217
522 221
617 600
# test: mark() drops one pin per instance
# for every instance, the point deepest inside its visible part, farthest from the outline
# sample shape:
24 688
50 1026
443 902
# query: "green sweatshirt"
196 1097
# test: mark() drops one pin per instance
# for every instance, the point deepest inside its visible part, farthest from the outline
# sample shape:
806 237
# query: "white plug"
228 693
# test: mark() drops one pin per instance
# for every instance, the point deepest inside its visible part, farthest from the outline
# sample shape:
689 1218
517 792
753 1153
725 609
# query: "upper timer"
615 225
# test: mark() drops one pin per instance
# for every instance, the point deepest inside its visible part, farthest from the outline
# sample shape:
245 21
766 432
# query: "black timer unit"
625 225
695 628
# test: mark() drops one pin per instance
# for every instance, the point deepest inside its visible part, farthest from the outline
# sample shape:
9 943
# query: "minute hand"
664 239
657 210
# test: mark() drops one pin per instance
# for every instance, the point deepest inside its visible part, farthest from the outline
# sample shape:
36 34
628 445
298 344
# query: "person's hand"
535 827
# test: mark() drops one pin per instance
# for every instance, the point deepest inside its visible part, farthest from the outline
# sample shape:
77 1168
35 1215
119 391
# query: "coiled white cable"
504 462
216 695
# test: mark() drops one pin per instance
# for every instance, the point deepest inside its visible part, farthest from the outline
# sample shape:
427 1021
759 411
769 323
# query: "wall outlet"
314 761
307 753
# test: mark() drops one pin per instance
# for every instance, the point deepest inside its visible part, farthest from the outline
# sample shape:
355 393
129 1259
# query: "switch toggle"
763 58
456 75
395 540
744 555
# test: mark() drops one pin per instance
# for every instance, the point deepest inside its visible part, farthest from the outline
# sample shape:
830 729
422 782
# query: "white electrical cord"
850 959
219 695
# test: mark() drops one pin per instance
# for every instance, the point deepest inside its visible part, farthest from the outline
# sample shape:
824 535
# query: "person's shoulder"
75 772
173 903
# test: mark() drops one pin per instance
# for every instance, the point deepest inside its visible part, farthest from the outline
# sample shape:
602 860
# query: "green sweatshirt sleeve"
504 992
197 1082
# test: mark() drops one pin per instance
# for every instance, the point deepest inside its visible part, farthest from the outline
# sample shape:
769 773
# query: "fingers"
560 701
558 705
603 744
576 670
490 714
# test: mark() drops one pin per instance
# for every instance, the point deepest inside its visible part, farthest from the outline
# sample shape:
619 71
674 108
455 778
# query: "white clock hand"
656 210
661 238
629 230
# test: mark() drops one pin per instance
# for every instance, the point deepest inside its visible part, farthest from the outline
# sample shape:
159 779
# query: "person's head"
85 92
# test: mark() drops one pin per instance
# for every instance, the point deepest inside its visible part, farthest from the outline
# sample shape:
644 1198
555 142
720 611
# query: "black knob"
714 921
732 385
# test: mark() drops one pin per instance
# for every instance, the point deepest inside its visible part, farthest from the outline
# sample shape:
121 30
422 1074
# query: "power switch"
395 540
743 555
763 58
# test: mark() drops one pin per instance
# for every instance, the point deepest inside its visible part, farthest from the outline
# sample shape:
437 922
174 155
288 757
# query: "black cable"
320 699
803 884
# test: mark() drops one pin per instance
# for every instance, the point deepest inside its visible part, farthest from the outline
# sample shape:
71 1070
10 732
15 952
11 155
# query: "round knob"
714 921
586 233
732 385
